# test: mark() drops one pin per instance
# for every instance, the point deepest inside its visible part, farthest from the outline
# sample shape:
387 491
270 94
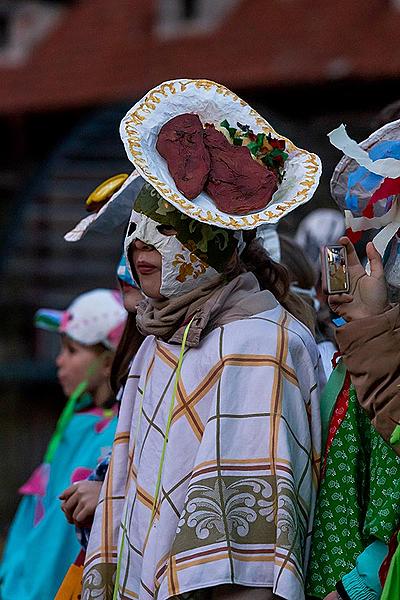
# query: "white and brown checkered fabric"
240 474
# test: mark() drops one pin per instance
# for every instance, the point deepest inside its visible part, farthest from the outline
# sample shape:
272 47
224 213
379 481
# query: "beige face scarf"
212 305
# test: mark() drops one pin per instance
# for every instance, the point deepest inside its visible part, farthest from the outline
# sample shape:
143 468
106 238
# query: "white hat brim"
213 103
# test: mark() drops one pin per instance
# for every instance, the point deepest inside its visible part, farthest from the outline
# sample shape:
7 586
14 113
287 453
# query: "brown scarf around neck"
212 305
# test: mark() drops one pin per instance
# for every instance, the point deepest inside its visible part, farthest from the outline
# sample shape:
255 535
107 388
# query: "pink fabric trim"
115 334
39 512
101 425
96 411
64 321
37 482
118 296
80 474
37 486
100 412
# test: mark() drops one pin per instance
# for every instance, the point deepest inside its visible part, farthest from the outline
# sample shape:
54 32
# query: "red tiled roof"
105 51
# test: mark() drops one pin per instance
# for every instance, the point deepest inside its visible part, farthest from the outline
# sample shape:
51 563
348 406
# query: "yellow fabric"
71 587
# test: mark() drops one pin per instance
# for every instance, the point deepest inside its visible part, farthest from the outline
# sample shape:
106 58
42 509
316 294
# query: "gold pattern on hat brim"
114 214
346 165
213 103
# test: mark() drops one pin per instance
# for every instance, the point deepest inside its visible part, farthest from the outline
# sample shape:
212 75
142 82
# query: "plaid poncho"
240 474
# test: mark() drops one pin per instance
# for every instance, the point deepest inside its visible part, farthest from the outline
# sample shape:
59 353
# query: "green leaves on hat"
213 245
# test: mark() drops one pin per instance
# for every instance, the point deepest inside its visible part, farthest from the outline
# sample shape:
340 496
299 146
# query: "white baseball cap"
95 317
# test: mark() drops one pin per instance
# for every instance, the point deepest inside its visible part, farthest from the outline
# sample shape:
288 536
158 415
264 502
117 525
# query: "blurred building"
65 54
69 70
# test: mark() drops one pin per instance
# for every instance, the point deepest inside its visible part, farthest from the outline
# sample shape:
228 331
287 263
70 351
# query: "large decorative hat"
366 186
297 171
215 105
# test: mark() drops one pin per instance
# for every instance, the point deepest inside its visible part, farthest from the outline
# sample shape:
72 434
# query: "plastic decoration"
266 149
105 191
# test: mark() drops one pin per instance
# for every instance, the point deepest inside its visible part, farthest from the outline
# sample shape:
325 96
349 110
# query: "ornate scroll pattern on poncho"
246 509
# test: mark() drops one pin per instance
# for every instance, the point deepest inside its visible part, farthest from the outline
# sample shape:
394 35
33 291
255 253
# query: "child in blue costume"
41 544
79 501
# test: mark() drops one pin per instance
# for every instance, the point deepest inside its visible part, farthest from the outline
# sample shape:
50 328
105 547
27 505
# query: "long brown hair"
299 266
302 274
129 344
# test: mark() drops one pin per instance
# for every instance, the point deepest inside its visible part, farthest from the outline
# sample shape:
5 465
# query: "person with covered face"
212 482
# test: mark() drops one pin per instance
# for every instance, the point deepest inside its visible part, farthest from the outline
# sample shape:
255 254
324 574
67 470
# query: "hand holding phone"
367 294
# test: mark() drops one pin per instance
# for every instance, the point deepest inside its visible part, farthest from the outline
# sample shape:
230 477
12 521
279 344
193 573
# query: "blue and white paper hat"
366 186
